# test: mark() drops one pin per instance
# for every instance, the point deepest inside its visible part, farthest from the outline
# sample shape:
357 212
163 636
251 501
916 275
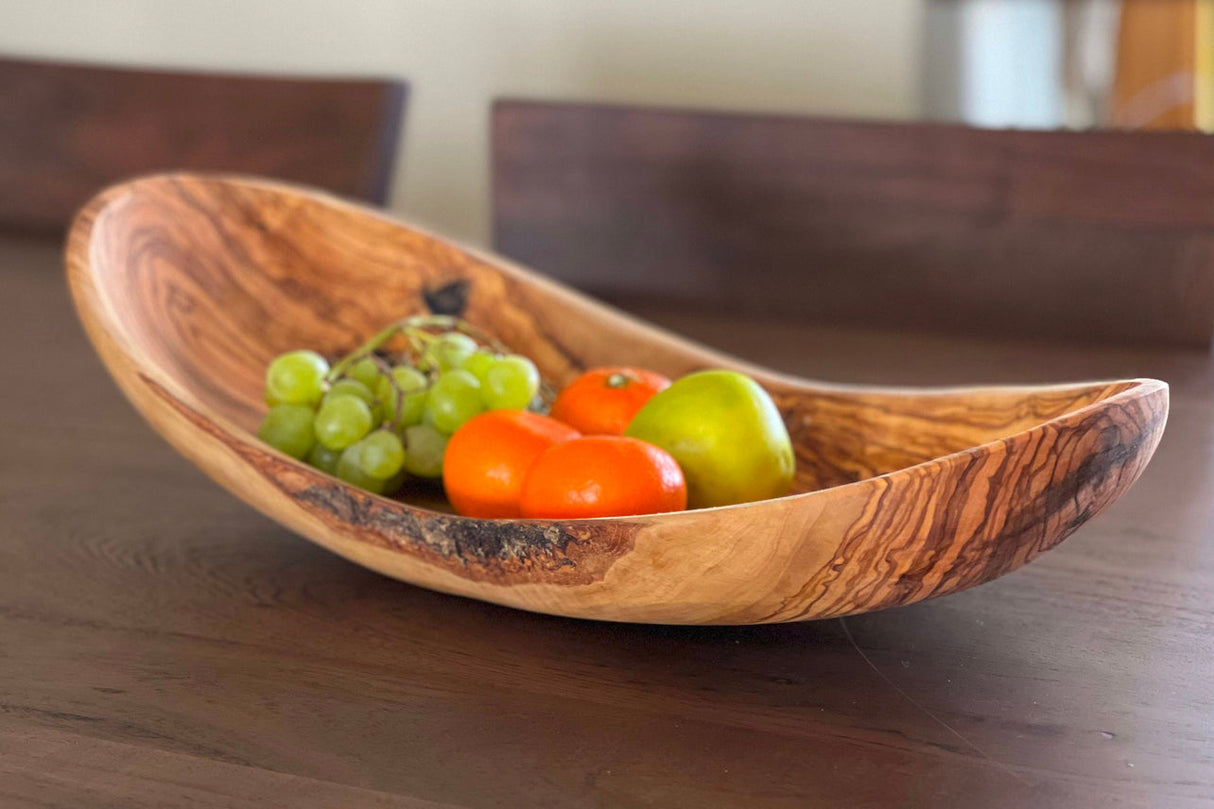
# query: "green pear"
726 434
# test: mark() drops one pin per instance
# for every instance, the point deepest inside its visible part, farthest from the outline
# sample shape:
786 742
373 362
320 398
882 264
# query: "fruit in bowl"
602 476
489 458
726 434
604 401
382 414
432 397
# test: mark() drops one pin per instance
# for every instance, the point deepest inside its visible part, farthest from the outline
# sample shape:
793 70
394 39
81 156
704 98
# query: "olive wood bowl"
189 285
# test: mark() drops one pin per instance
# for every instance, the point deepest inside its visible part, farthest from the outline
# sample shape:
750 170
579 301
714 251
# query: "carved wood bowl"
188 286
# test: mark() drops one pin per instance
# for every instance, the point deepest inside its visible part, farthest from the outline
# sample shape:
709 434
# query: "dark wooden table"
161 644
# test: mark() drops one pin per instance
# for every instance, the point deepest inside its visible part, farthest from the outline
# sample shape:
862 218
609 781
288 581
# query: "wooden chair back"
68 130
1092 236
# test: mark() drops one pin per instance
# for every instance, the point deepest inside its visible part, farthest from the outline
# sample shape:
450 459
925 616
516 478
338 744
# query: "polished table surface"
161 644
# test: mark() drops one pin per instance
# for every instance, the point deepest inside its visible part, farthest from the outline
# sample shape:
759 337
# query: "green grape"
349 387
349 469
288 428
382 454
479 364
424 450
324 459
511 384
367 372
453 399
342 420
412 384
393 484
449 352
296 377
352 387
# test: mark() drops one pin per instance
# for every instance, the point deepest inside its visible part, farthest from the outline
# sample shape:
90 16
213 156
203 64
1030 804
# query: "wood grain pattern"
1094 236
188 286
163 645
67 131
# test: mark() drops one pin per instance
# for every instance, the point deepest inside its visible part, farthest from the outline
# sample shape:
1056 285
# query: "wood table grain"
161 644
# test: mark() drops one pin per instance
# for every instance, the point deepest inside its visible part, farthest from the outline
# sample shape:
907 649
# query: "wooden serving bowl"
188 286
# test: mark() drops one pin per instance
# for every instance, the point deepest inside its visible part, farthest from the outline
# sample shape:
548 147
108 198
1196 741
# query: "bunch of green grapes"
373 422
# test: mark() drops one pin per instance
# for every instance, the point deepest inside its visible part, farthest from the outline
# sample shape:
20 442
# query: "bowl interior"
208 280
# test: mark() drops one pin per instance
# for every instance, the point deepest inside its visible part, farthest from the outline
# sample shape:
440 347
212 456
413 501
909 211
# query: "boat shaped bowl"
189 285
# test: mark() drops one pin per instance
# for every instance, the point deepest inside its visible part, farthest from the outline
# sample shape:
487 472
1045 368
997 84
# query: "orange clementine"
488 458
603 476
604 400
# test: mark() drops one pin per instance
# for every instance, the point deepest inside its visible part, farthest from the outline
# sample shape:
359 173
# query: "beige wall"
823 56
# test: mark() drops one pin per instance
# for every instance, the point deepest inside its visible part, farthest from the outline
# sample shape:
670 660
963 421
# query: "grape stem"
366 349
386 369
424 324
418 330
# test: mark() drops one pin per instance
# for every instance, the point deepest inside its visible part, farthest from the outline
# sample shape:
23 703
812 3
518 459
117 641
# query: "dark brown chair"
1100 236
68 130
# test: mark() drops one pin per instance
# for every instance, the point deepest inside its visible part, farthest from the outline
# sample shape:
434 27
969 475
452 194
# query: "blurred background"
1000 63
